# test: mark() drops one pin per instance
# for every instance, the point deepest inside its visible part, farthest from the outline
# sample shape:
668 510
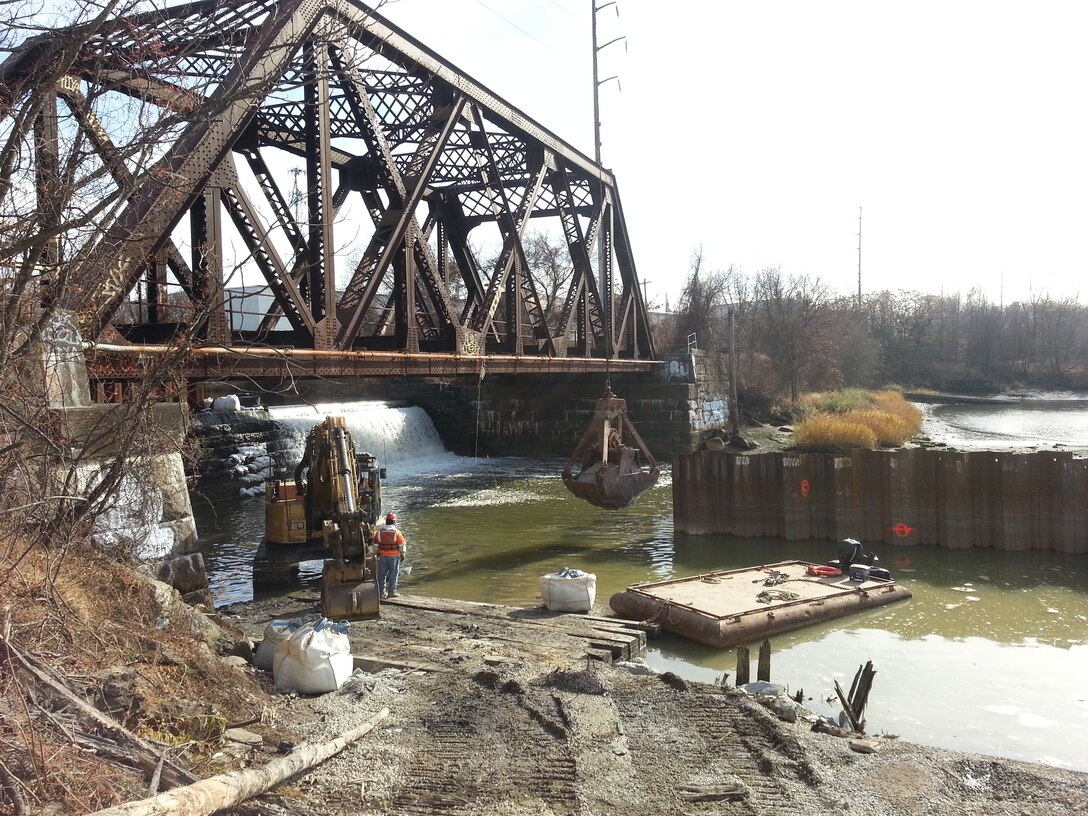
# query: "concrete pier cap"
150 513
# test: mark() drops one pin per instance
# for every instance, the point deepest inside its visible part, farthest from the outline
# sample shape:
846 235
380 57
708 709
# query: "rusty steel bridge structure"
320 201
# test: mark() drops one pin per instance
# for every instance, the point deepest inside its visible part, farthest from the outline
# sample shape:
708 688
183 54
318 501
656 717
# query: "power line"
564 9
514 25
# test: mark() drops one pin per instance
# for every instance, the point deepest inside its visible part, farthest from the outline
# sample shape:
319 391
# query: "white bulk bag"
314 659
568 590
274 634
228 403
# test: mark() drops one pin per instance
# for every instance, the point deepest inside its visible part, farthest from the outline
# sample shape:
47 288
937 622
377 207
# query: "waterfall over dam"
402 437
240 450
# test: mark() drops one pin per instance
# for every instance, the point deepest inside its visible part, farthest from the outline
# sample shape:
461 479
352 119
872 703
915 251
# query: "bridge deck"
120 362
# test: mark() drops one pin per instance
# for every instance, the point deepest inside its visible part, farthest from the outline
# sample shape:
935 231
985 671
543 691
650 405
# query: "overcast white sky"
756 129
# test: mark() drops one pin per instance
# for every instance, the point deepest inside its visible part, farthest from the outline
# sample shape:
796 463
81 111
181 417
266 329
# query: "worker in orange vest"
391 551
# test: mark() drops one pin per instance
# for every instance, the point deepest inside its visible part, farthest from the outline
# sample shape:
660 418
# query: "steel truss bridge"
319 194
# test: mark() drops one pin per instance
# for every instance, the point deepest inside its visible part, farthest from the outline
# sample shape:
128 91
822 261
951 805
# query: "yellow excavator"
330 509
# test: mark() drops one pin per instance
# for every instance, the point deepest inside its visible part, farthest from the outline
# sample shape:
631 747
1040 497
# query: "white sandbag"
274 634
314 660
230 402
568 590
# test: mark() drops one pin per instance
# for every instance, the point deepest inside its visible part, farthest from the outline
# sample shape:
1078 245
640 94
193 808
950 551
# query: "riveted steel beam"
164 195
359 293
332 86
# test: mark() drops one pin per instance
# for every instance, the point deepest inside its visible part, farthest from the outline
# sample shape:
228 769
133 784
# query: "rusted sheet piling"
1007 501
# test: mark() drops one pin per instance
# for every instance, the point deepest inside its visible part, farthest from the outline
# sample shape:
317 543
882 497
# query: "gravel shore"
499 710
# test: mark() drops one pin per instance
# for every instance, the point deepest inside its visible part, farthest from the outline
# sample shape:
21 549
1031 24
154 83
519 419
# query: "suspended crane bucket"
611 472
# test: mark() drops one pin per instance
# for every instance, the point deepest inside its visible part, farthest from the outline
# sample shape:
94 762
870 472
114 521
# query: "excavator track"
493 743
484 752
740 743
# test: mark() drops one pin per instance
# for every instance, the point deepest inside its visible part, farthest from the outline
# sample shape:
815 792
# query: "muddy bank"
494 713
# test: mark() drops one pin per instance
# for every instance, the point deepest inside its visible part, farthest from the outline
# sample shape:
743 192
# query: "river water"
989 656
1055 420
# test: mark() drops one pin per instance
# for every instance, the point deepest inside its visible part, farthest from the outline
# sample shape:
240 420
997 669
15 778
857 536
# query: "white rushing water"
402 437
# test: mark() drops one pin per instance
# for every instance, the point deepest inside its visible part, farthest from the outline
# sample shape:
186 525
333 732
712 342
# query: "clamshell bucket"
612 473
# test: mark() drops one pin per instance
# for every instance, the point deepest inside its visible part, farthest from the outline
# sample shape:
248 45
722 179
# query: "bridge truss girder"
400 162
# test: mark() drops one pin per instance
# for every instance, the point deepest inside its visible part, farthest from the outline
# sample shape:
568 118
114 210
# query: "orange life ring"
823 571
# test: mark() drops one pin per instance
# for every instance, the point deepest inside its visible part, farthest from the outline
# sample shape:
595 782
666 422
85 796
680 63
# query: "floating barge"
731 607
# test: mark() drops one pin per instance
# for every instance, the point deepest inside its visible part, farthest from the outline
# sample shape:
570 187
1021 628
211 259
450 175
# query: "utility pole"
734 406
602 261
859 259
296 193
597 81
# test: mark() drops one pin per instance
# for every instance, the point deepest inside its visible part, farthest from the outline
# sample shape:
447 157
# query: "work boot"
393 594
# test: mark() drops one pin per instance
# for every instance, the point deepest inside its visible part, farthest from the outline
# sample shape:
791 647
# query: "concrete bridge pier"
150 515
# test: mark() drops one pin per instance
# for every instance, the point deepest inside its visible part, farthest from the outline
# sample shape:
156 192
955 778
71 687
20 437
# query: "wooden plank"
603 655
371 664
564 624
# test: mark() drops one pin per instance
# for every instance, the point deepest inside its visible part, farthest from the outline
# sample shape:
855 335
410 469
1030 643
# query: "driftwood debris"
731 791
849 709
859 689
96 730
854 703
229 789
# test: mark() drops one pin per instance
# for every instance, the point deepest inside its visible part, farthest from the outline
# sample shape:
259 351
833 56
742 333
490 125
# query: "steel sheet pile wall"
1009 501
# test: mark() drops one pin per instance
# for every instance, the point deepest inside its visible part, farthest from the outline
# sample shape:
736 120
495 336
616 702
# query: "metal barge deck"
731 607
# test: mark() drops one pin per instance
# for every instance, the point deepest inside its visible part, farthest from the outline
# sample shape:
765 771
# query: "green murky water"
990 655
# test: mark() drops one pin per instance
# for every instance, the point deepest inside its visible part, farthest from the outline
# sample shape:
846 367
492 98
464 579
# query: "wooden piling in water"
744 666
763 668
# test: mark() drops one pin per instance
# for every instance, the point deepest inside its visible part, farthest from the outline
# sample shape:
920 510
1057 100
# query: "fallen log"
125 744
229 789
732 791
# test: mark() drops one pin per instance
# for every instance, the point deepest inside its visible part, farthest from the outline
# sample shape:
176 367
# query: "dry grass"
836 402
85 616
853 418
892 402
828 432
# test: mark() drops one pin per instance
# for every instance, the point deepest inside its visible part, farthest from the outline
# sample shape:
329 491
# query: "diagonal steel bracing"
360 191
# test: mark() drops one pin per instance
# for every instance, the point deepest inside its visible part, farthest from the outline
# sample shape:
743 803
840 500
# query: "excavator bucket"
349 592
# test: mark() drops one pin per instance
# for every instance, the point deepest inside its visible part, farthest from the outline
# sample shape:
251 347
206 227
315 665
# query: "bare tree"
700 313
793 323
72 153
550 265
